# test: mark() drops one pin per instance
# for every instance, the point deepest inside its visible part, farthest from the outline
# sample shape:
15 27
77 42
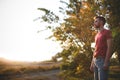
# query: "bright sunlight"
19 39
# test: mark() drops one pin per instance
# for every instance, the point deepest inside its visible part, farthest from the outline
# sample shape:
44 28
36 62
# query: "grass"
114 73
27 78
8 69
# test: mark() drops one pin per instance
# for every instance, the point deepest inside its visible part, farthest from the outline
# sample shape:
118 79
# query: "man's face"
97 23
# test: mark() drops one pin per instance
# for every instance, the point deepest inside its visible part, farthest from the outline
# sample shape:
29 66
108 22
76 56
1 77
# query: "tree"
76 34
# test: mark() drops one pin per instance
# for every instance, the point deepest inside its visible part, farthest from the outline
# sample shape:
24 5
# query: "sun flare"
18 31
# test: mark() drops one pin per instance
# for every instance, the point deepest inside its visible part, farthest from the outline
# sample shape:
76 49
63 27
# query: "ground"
46 75
40 71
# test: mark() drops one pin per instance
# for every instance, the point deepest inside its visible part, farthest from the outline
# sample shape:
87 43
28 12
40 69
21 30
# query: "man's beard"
96 27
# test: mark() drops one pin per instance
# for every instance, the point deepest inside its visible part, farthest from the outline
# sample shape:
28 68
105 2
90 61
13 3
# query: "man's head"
99 21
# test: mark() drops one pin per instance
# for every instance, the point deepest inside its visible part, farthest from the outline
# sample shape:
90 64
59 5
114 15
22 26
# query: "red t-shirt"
101 42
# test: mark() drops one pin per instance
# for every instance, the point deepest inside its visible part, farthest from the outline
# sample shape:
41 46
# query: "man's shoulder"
107 31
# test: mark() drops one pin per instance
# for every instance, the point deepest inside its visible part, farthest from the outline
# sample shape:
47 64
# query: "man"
103 49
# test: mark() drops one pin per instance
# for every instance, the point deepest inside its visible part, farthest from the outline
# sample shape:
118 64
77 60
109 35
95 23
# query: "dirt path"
46 75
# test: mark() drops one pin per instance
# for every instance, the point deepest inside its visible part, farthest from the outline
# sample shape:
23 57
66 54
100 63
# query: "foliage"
116 24
114 12
76 34
49 16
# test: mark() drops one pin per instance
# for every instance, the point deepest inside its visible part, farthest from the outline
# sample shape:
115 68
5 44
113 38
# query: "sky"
19 39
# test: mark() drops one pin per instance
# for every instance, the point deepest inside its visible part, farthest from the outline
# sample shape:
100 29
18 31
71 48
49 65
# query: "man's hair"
101 19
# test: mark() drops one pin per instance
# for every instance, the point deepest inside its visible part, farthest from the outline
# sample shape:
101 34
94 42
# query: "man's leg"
95 73
102 74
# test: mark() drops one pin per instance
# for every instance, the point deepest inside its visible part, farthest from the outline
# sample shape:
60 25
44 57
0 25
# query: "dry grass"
114 72
12 67
12 70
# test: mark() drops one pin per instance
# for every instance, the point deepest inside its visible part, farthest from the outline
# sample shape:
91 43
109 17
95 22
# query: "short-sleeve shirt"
101 42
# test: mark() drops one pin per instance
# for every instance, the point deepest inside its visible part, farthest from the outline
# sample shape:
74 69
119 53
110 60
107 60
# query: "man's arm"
92 66
108 53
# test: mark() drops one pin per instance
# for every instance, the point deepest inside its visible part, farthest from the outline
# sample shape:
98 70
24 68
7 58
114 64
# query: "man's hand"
105 66
92 67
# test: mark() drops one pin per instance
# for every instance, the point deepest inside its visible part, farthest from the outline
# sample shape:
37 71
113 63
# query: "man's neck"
100 29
